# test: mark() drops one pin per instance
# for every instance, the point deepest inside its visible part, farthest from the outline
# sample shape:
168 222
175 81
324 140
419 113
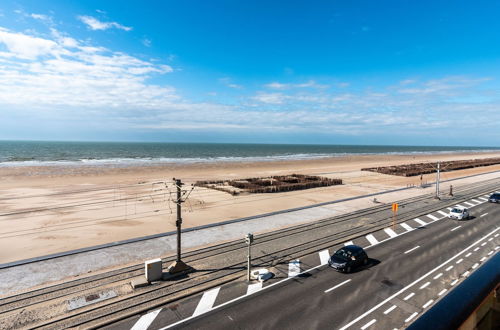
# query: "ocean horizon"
40 153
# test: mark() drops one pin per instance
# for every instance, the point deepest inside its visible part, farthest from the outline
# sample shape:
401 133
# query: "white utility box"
153 270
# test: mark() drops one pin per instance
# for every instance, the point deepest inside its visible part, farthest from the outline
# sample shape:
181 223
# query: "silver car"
459 213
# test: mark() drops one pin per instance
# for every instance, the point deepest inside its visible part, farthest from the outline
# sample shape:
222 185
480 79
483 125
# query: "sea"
122 154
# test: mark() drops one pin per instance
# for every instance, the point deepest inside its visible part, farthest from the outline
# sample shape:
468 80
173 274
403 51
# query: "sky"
320 72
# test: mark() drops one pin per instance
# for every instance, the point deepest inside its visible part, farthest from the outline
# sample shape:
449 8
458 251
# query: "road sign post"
395 207
249 241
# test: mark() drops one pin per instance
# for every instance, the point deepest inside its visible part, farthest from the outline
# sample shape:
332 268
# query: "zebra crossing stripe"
470 204
293 268
206 302
371 239
406 226
430 216
324 256
252 288
443 213
145 321
348 243
422 223
390 232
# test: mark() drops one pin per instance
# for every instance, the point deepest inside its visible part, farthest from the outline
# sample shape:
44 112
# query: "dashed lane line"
484 243
368 324
338 285
449 268
390 232
482 259
409 296
206 302
423 286
438 276
466 274
371 239
483 215
145 321
475 265
390 309
460 260
490 253
423 223
454 282
468 254
476 249
455 228
411 317
427 304
442 292
490 239
412 249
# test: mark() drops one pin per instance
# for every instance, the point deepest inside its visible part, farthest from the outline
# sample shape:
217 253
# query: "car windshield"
456 210
495 196
342 254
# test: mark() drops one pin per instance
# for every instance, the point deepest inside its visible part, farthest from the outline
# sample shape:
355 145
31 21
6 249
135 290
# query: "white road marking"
476 249
490 239
390 309
338 285
454 282
460 260
438 276
470 204
450 208
424 285
455 228
416 247
442 292
448 268
254 287
466 274
206 302
497 235
423 223
484 199
293 268
468 254
368 324
484 243
406 226
483 215
497 247
482 259
145 321
430 216
490 253
475 265
409 296
476 201
427 304
416 281
371 239
411 317
324 256
443 213
461 206
348 243
390 232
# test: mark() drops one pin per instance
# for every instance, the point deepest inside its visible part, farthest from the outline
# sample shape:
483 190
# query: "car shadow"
371 263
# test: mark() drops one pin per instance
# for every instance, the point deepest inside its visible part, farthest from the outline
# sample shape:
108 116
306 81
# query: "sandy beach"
49 209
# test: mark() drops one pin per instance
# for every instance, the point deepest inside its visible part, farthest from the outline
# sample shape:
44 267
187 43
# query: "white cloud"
27 47
94 24
146 42
270 98
228 82
41 17
307 84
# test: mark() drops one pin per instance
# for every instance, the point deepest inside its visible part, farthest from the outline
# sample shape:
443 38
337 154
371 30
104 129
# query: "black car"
494 198
348 258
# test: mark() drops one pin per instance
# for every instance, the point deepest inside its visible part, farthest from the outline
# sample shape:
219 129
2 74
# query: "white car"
459 213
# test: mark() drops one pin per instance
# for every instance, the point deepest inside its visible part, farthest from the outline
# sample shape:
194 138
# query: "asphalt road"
406 276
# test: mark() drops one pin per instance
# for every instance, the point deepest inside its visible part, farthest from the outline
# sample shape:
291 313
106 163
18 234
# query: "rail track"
281 245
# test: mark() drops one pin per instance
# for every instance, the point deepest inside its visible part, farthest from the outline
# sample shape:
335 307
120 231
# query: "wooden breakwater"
427 168
273 184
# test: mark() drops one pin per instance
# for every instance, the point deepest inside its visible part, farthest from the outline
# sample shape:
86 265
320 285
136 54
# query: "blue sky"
328 72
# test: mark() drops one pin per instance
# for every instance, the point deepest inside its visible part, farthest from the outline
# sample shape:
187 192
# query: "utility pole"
178 265
249 241
438 174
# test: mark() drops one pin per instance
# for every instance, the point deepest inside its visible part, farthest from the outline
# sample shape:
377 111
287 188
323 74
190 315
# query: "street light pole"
438 175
